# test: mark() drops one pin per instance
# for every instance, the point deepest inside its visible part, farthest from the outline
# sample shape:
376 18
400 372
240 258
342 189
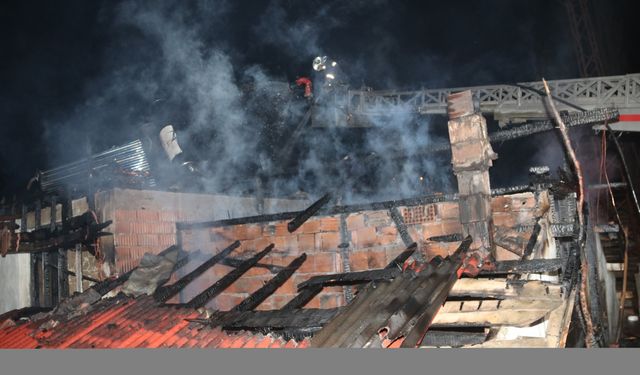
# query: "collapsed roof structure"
509 267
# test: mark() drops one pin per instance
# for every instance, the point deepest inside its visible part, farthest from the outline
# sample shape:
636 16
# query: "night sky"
56 56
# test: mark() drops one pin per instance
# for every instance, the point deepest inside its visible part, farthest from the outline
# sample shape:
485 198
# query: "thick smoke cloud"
188 64
235 118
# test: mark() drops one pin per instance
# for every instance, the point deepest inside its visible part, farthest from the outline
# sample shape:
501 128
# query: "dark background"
54 52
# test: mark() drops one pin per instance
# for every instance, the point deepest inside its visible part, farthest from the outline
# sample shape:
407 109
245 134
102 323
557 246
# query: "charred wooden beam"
348 278
398 261
71 273
164 293
57 240
526 266
528 250
278 319
257 297
302 298
454 237
235 262
404 306
453 338
306 214
222 284
351 278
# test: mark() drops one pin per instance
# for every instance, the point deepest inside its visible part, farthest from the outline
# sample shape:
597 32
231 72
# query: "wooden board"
498 288
516 313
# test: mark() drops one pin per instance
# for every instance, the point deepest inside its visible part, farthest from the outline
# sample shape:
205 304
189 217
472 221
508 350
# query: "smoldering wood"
222 284
257 297
350 278
402 305
392 270
302 217
525 266
303 297
164 293
453 338
235 262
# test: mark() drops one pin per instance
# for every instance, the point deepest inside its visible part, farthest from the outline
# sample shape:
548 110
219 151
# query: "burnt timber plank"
393 269
501 289
516 313
235 262
278 319
526 266
271 286
395 305
528 250
351 278
303 297
452 338
302 217
222 284
166 292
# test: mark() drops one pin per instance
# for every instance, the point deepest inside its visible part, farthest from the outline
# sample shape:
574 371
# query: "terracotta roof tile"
121 322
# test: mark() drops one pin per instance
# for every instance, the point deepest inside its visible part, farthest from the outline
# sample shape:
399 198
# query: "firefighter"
328 68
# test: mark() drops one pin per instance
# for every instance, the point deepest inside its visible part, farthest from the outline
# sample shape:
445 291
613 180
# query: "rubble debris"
153 271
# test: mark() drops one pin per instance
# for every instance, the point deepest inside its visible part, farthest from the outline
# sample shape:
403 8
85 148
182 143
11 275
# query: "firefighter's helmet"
320 63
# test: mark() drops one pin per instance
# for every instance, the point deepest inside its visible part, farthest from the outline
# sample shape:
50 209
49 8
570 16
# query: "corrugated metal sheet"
122 161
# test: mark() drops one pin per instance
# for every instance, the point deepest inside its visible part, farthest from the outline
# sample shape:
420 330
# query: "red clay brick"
325 262
314 303
355 221
504 219
448 210
310 226
257 271
387 236
281 229
254 231
166 239
287 288
364 237
309 265
306 242
125 215
147 215
330 224
126 240
329 240
431 229
377 218
266 305
451 226
359 260
168 216
221 233
123 227
148 240
279 300
377 259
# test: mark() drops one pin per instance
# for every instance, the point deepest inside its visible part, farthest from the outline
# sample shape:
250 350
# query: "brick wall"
374 242
144 220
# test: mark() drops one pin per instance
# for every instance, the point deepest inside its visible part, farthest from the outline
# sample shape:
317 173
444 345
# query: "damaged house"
103 254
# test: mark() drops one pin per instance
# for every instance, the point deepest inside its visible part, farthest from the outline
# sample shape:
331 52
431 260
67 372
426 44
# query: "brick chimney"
472 156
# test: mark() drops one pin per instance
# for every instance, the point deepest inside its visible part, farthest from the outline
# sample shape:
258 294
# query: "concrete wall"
15 273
